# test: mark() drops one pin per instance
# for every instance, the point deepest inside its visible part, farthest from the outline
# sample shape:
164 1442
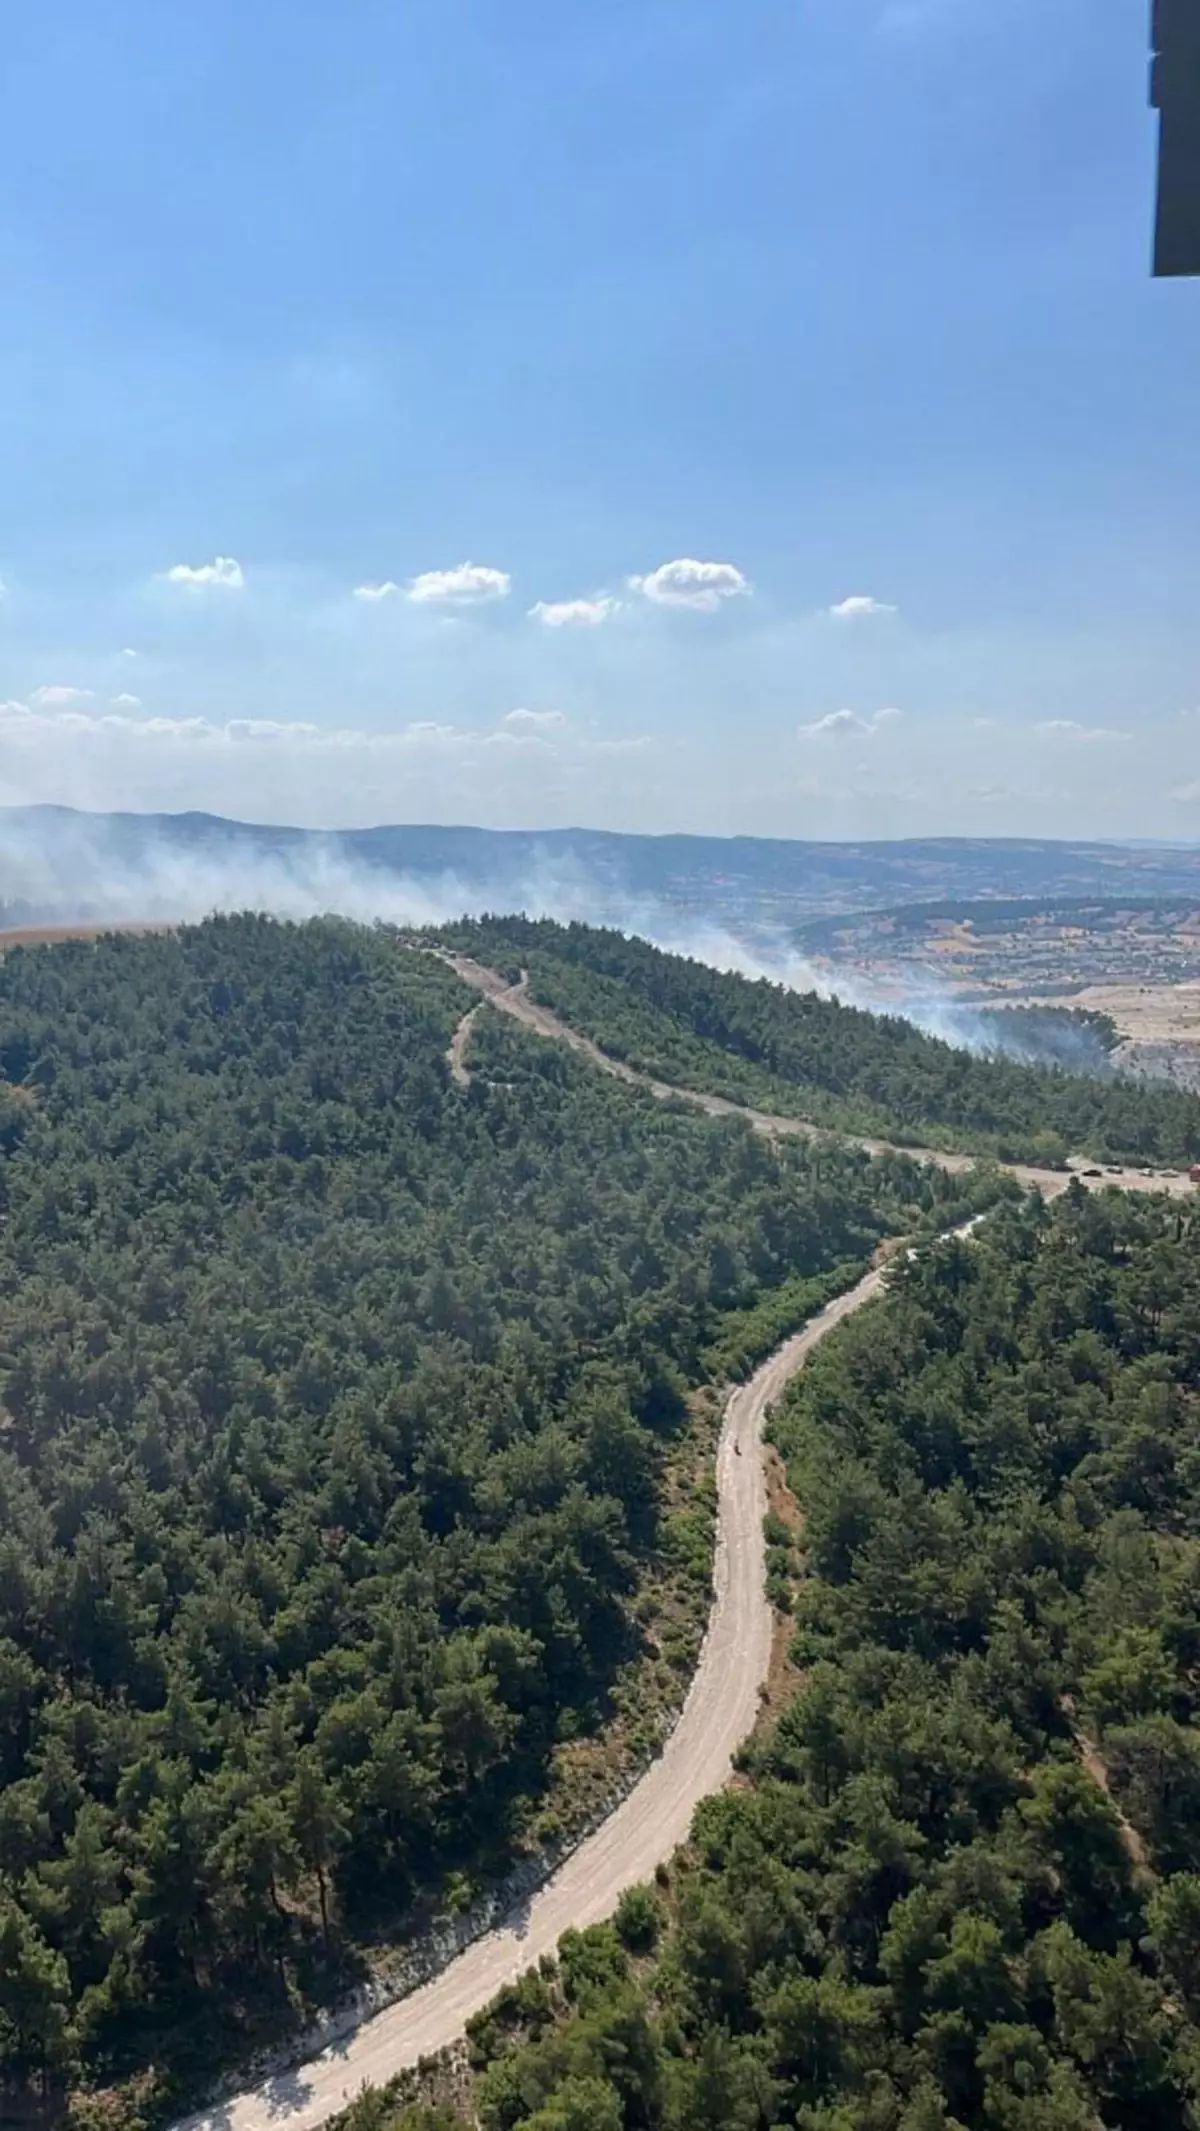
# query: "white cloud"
575 613
59 698
48 712
847 725
128 652
860 607
1189 794
157 729
387 590
269 768
520 736
268 730
703 586
126 702
617 747
838 723
472 584
223 572
543 718
1070 729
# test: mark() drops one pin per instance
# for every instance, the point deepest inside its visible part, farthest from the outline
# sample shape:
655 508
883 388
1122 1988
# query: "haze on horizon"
755 421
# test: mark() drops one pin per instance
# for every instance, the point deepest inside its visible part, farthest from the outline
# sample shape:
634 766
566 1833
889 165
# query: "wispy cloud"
523 736
126 702
273 768
373 593
575 613
702 586
540 720
58 698
267 731
51 711
1081 735
847 725
471 584
223 573
860 607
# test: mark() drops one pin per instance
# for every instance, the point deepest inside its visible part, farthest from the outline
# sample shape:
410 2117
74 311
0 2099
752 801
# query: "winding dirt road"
720 1710
515 1000
719 1714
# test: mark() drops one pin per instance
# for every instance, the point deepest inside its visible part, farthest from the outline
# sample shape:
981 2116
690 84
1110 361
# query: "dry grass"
671 1609
784 1681
52 935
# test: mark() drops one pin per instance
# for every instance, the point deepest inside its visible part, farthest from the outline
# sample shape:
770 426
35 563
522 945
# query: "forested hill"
762 1044
962 1890
335 1404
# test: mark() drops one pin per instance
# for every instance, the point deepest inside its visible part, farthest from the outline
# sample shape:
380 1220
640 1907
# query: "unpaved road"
719 1713
460 1044
514 1000
720 1710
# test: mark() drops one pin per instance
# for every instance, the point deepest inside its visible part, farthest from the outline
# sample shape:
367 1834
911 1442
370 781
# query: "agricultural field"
1136 964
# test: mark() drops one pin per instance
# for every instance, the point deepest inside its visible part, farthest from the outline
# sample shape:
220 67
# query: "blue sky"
683 325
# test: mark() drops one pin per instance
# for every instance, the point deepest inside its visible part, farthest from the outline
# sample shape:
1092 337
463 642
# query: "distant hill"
57 863
1044 1090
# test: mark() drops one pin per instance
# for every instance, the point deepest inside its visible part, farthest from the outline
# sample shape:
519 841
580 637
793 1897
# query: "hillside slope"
336 1403
761 1044
959 1887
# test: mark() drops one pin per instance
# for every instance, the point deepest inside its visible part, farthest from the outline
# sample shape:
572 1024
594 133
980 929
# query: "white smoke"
59 867
84 869
935 1014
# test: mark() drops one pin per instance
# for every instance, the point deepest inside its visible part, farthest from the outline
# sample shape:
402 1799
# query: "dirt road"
460 1044
514 1000
719 1714
721 1707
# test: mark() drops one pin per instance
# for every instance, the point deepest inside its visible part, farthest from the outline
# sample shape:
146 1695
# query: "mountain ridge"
58 861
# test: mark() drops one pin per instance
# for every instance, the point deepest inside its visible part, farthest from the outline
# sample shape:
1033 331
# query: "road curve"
515 1000
721 1706
718 1716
